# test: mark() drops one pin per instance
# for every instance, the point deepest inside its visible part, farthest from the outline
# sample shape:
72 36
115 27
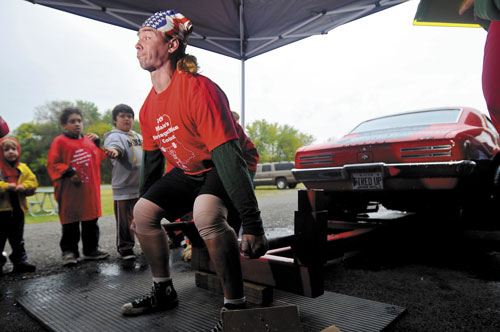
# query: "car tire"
292 185
495 199
496 184
281 183
480 211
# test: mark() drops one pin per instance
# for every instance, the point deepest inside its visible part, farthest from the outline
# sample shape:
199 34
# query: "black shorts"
175 192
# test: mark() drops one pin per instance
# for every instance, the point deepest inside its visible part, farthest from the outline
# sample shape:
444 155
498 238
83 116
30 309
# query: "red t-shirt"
76 203
250 153
187 121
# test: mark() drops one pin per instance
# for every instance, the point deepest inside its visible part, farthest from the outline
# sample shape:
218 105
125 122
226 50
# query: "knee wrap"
210 216
147 217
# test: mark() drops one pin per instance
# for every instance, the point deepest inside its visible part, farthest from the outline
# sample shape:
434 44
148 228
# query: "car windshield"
409 119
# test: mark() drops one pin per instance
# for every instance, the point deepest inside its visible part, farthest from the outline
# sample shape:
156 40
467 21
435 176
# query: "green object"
233 172
153 168
445 13
488 9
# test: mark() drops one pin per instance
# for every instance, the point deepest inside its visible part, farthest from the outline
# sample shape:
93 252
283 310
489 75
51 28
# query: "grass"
266 191
106 206
107 203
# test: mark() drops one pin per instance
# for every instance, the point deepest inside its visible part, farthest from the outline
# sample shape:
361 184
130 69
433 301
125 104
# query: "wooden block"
208 281
273 319
256 294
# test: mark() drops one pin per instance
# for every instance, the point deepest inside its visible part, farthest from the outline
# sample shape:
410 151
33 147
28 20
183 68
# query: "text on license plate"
372 180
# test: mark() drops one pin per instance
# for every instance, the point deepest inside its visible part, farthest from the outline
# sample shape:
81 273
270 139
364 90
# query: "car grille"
317 159
426 151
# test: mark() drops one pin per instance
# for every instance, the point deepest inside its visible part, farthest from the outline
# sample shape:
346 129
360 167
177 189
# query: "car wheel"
495 198
292 185
496 185
480 212
281 184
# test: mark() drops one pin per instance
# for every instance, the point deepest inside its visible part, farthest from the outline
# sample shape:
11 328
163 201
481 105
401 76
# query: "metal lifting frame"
295 263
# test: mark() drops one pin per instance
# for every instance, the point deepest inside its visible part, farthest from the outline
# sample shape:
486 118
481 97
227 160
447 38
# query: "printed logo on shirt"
167 141
135 141
80 163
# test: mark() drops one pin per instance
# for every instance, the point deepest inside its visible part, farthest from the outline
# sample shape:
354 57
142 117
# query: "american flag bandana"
171 23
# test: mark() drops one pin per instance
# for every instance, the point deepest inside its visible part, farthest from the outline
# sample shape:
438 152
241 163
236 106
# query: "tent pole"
243 93
242 53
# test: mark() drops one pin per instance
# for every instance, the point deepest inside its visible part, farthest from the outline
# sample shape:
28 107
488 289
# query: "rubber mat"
89 300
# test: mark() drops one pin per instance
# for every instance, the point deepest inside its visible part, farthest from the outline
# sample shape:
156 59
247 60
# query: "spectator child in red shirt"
73 165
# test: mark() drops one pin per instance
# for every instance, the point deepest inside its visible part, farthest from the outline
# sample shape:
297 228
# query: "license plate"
372 180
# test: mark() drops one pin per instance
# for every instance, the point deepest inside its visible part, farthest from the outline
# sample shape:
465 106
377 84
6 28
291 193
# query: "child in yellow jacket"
16 182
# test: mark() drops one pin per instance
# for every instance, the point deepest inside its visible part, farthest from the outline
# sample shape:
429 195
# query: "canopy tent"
240 29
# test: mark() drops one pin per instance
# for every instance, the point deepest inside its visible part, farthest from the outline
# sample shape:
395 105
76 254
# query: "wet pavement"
89 300
448 286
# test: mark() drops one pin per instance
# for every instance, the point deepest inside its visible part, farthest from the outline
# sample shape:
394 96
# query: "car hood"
387 136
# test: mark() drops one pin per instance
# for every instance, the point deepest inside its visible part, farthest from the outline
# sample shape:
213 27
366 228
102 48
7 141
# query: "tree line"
273 141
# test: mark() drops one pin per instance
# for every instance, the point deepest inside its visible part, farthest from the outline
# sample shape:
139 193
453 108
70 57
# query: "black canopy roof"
240 29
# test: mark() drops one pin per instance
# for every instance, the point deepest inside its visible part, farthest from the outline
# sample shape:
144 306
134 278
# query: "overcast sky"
323 85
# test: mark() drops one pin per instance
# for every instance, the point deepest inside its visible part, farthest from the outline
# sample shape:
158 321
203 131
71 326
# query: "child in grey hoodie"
124 148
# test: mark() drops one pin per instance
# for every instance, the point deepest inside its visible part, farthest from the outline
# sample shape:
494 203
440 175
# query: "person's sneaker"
228 306
127 255
162 297
69 259
24 267
96 255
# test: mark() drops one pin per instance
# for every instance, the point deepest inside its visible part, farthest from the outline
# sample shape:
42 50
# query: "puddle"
272 233
110 270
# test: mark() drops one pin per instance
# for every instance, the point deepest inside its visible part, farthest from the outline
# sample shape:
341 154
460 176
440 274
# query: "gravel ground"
447 283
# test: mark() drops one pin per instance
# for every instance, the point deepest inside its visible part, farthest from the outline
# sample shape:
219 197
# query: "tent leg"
243 94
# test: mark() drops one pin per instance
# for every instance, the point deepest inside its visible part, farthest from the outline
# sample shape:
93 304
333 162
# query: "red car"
439 159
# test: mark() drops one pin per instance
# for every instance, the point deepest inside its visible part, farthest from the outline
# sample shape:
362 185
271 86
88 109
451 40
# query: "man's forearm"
153 164
233 172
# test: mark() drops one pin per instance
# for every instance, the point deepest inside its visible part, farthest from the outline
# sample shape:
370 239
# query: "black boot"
24 267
